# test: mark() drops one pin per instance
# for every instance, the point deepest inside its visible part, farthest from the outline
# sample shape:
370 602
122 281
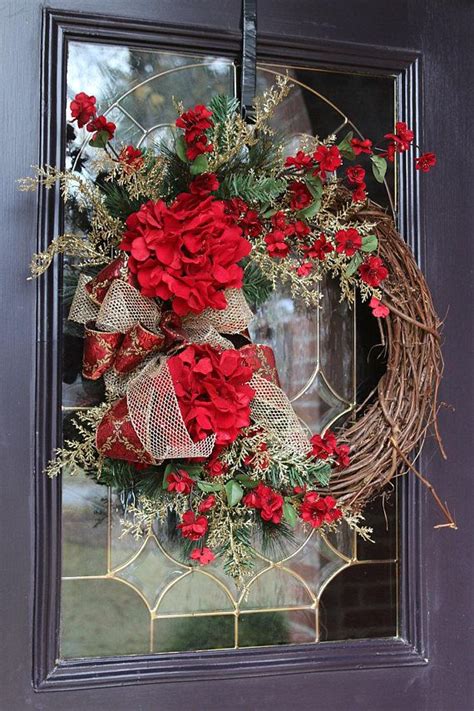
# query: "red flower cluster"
195 123
348 241
379 310
277 246
356 177
319 248
212 391
131 158
326 446
361 146
400 141
328 160
187 252
300 197
180 482
267 501
203 555
192 526
247 219
83 108
373 271
425 162
301 161
316 509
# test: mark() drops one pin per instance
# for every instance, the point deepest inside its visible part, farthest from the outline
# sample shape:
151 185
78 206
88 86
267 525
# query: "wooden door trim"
48 673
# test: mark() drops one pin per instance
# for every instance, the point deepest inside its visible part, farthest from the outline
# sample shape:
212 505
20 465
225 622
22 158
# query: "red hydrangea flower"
379 310
300 197
267 501
213 391
355 174
82 108
323 446
359 194
193 527
187 252
348 241
276 245
328 159
373 271
207 503
131 157
203 555
361 146
319 248
301 161
101 125
204 184
425 162
316 509
180 482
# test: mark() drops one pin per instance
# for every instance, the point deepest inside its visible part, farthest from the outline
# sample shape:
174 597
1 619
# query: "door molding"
48 673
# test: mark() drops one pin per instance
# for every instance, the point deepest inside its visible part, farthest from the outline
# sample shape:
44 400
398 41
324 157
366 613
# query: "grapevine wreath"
183 244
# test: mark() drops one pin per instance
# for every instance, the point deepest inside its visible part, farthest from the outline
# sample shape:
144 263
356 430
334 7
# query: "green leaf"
207 487
369 243
379 168
101 140
234 492
345 147
311 210
246 481
199 165
180 148
315 186
355 262
269 213
323 473
289 514
169 469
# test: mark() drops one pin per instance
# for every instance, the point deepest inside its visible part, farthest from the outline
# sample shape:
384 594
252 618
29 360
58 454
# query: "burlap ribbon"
126 339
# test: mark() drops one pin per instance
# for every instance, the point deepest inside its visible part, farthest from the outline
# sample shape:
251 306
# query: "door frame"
410 648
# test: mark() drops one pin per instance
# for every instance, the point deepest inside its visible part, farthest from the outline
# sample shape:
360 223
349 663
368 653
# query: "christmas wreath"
183 244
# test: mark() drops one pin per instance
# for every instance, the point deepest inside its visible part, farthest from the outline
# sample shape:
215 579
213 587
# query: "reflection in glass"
123 596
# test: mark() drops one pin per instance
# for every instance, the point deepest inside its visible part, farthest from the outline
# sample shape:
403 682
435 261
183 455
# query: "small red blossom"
425 162
131 158
207 504
203 555
195 122
400 141
198 148
316 509
301 161
215 467
276 245
323 446
300 228
83 108
379 310
192 526
267 501
247 219
300 197
348 241
373 271
304 269
180 482
355 174
342 456
319 249
100 125
359 194
279 221
204 184
361 146
213 391
328 159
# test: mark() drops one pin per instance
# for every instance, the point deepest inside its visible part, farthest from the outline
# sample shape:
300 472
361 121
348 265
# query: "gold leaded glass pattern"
123 596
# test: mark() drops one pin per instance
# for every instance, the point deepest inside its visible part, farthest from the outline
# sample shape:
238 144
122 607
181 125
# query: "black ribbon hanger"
248 79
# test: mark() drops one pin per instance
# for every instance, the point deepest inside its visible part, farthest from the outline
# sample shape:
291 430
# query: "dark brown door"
91 623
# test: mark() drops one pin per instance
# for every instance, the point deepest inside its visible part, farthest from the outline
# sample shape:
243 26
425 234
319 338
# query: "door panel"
425 668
